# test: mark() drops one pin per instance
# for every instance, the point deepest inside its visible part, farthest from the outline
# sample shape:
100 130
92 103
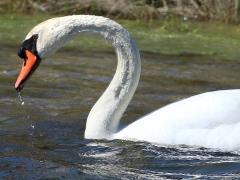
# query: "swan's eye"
35 37
29 44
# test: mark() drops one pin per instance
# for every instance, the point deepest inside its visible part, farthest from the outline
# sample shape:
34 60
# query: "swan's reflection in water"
59 97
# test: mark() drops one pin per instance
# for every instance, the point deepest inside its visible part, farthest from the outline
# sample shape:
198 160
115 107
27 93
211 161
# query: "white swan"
211 119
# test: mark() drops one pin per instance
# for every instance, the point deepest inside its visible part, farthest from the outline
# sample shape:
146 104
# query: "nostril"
24 62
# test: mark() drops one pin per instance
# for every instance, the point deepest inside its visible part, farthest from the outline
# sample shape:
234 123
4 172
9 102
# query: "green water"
44 137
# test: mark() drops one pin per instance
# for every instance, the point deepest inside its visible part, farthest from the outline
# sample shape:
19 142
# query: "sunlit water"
41 133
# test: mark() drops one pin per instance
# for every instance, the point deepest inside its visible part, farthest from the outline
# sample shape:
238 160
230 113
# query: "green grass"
194 38
173 36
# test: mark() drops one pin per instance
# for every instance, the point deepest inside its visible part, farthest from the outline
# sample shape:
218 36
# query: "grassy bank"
171 36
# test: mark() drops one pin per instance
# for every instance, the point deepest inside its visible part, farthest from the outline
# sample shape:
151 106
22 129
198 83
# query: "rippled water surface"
44 137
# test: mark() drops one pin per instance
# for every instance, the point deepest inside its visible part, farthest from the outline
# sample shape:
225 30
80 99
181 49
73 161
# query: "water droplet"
20 98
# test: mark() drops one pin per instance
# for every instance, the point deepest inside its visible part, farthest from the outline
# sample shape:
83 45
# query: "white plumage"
210 119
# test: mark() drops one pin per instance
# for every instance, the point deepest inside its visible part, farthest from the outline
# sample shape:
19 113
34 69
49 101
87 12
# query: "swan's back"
211 119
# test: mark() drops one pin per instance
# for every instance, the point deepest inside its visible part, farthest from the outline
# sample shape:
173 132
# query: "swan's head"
43 40
28 52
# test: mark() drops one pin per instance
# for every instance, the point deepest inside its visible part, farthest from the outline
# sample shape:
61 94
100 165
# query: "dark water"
43 139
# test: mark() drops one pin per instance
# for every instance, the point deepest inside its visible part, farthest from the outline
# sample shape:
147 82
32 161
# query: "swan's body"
211 119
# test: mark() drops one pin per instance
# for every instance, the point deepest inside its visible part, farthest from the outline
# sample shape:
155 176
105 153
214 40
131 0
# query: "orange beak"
29 65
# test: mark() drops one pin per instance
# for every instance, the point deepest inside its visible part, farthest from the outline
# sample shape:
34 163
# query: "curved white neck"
103 119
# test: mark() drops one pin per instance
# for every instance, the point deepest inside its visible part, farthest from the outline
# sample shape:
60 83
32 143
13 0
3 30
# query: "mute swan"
210 120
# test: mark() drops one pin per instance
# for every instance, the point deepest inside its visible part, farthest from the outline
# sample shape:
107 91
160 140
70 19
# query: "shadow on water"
44 137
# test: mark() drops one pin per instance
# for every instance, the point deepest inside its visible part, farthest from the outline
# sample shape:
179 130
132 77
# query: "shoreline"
168 37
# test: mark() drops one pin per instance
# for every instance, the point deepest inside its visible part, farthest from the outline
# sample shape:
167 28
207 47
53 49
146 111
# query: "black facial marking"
29 44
